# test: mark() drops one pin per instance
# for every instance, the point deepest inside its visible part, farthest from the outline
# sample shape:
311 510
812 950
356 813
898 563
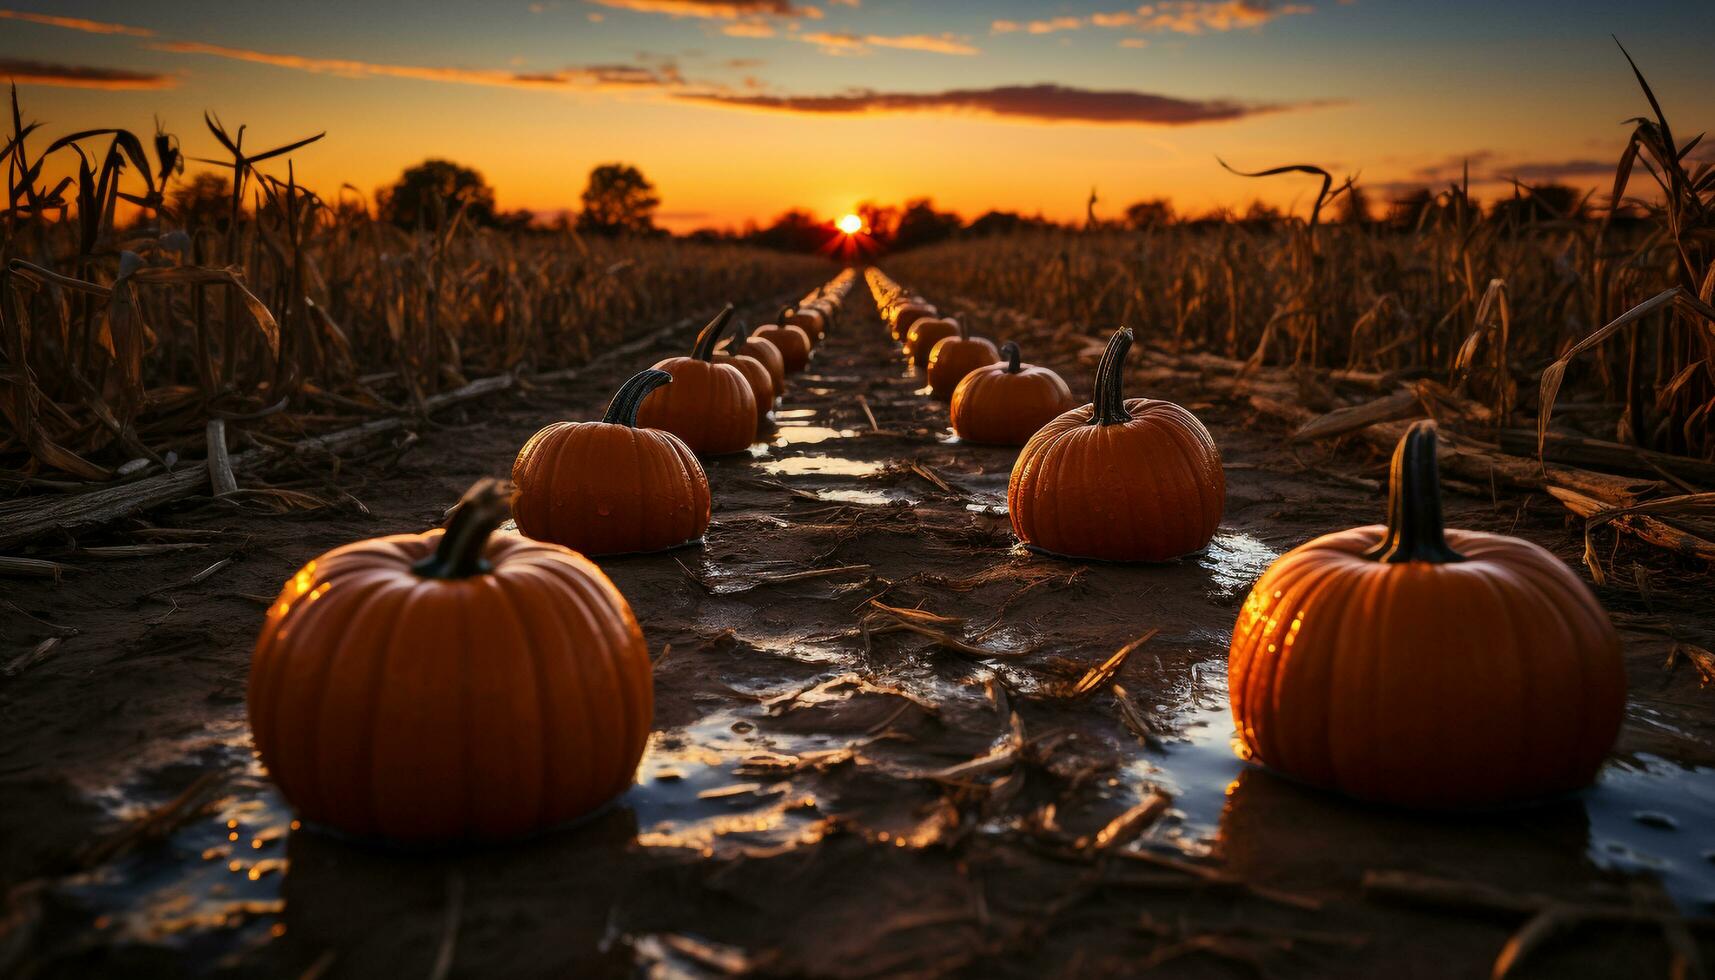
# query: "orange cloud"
715 9
1036 103
80 76
844 42
76 23
1178 16
588 76
748 28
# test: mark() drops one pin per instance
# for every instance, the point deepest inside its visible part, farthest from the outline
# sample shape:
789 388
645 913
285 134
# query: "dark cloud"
1556 170
715 9
1043 103
26 72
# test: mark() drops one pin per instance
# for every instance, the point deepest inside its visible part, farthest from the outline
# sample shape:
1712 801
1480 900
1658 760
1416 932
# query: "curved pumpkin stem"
460 554
785 315
1009 351
705 346
1109 397
1415 531
623 409
964 330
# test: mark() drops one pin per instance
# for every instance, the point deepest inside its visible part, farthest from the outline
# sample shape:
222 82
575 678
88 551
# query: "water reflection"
820 466
1234 561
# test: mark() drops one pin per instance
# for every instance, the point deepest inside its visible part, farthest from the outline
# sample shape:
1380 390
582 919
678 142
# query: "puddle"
808 435
216 881
693 790
872 498
795 414
1234 561
820 466
1655 816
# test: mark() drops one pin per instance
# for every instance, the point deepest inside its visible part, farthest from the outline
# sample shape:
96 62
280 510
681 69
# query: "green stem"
1415 531
705 346
1109 397
1009 350
460 552
623 409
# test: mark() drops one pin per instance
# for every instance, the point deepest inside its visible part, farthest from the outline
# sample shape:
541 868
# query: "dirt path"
819 798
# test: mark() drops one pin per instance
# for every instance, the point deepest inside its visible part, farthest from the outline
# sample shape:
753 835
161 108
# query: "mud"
828 791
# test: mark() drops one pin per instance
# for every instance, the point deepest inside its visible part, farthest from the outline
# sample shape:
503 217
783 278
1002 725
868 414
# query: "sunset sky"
739 109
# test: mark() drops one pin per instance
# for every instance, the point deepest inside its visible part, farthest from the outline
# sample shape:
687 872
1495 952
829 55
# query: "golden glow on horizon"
851 224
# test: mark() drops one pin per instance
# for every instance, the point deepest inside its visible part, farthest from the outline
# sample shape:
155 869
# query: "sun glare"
851 224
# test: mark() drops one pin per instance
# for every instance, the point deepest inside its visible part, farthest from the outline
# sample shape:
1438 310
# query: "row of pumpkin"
464 684
1403 663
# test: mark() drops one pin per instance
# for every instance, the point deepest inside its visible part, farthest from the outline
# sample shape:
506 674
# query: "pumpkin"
765 353
1004 404
450 685
756 375
908 311
809 319
954 357
925 333
1120 479
793 342
608 487
1424 667
708 405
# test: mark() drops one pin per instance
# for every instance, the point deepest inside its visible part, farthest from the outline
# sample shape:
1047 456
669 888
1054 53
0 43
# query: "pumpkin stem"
460 554
1109 397
1415 531
705 346
964 329
1009 350
786 314
623 409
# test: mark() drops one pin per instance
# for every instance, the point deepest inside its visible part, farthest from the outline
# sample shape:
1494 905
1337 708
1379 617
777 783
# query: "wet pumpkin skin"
924 334
900 318
609 487
1005 403
710 406
1120 479
402 692
793 343
766 354
1408 665
954 357
756 374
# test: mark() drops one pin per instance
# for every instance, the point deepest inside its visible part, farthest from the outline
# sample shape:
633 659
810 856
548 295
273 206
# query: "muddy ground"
825 793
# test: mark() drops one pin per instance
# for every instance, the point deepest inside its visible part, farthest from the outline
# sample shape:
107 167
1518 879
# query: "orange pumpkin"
908 311
793 342
954 357
924 334
756 375
608 487
1004 404
1120 479
708 405
768 355
1424 667
809 319
450 685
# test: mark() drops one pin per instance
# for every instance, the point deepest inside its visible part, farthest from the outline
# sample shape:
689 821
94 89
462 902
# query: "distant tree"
204 201
1003 223
618 201
1150 214
920 224
796 230
1353 207
1261 213
432 192
1544 202
881 221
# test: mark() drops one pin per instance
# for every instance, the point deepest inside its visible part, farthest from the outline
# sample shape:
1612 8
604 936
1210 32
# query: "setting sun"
851 224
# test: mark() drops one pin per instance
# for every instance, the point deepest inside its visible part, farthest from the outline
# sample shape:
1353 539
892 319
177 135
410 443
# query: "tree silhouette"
1150 214
204 201
619 200
432 192
921 224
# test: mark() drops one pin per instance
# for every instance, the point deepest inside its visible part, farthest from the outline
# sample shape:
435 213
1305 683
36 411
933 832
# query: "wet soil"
826 793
